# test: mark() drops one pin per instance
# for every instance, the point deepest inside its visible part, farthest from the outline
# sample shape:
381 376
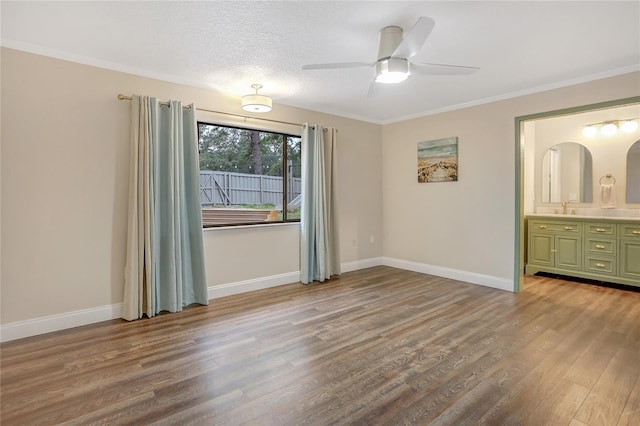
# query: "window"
248 176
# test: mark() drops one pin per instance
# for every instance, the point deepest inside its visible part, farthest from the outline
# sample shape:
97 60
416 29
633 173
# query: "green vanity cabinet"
556 245
594 248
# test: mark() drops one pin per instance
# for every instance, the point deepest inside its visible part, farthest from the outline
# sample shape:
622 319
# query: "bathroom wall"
609 153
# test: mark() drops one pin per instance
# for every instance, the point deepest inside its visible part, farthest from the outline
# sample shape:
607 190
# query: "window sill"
255 225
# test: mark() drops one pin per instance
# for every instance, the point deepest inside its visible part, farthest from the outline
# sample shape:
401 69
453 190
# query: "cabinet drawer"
630 230
544 226
600 265
602 246
608 230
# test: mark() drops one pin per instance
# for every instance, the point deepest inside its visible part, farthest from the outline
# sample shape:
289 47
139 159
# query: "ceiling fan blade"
374 90
441 69
377 90
337 65
415 38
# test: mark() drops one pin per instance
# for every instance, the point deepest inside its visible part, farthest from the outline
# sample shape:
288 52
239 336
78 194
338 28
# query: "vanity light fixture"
589 131
256 102
629 126
609 129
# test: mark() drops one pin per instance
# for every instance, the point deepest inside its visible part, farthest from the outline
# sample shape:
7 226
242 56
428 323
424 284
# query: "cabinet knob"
600 230
554 251
600 265
568 228
545 227
635 232
599 246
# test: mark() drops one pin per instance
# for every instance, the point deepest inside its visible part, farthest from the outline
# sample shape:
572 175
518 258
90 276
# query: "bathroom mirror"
633 173
567 174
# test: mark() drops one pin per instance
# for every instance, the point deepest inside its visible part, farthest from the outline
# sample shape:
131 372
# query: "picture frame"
438 160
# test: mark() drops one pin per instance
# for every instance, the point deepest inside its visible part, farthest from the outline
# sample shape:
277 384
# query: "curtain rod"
128 98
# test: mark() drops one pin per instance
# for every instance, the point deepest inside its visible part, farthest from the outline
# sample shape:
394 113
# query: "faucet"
564 207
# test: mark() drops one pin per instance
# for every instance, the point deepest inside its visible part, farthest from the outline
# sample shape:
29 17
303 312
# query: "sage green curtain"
165 256
319 239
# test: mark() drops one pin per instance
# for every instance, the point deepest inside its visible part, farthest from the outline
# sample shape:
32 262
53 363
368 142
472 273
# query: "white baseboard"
41 325
454 274
229 289
356 265
238 287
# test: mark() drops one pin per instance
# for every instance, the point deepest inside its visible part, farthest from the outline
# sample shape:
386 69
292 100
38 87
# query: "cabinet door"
568 252
541 249
630 259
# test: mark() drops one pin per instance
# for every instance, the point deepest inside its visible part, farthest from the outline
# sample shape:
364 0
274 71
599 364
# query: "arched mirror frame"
633 173
555 187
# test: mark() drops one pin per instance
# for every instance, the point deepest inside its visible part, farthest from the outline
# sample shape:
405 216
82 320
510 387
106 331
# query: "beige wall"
469 225
65 154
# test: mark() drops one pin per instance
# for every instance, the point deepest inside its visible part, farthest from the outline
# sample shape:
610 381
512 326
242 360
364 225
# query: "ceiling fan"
394 52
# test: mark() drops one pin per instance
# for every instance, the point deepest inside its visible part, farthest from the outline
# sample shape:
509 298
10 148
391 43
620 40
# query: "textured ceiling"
520 47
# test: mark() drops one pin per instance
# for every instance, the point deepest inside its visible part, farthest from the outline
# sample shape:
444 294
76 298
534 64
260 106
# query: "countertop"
583 217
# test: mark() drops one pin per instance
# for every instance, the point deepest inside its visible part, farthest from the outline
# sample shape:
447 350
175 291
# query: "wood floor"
379 346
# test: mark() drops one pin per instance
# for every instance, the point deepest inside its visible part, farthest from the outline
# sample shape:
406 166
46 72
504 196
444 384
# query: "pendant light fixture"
256 102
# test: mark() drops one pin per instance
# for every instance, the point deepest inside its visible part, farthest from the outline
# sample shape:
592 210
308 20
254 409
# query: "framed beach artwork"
438 160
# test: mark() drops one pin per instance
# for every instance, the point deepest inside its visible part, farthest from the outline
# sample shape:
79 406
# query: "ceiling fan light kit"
256 102
392 70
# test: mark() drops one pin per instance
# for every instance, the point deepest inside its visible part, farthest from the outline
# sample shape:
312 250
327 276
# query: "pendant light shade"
256 102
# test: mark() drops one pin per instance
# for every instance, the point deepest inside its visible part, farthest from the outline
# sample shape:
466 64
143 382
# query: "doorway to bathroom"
583 160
